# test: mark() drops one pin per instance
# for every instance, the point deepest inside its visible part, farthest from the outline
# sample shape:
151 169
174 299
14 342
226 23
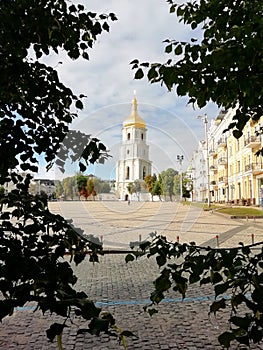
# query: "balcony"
221 142
252 141
213 168
254 168
248 167
212 152
223 179
222 161
257 168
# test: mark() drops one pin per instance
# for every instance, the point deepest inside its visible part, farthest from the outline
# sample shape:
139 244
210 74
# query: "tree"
137 188
177 185
134 187
90 188
69 187
82 185
58 189
157 189
150 181
168 182
35 112
130 188
101 186
187 185
224 66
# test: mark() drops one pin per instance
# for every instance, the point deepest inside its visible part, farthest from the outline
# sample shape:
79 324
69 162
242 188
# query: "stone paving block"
179 325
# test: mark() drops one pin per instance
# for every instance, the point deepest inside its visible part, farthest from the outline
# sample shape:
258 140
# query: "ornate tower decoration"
134 163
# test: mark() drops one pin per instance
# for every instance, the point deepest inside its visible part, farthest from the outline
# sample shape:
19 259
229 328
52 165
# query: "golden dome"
134 119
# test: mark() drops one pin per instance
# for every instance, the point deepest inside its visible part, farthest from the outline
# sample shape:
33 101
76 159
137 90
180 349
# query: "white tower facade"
133 163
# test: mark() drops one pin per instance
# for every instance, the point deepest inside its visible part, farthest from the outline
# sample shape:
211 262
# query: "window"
128 136
128 151
143 172
142 136
127 173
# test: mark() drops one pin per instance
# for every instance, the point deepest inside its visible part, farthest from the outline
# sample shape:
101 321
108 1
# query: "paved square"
124 288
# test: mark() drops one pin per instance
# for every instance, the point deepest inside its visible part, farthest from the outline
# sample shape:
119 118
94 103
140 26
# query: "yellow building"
236 172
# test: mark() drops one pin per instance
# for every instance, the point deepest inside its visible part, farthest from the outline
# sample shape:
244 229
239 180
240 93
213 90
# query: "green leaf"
161 260
134 61
243 322
98 325
178 50
257 296
85 55
139 74
217 305
6 308
151 312
79 104
237 134
127 334
226 338
54 330
169 48
256 334
106 27
172 8
221 288
129 257
82 167
216 278
162 283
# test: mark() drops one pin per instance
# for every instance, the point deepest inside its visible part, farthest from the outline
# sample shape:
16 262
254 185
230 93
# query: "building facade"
133 163
235 171
199 174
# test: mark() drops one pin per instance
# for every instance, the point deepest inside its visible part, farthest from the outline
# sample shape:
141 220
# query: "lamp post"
205 120
180 161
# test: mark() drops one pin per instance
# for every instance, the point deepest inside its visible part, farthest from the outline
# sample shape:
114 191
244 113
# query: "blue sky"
107 81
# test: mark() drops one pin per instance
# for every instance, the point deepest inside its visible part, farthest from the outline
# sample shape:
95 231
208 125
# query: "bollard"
140 238
252 238
247 218
217 240
177 238
101 238
254 219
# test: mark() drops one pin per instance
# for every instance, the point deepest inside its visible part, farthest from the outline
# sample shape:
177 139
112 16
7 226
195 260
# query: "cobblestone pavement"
124 289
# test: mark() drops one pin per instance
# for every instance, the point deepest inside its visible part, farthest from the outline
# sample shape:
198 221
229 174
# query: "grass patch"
242 211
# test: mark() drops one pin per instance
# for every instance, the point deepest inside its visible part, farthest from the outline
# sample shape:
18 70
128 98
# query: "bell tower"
133 163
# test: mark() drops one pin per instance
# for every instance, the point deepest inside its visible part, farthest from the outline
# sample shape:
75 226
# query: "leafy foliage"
33 244
135 187
225 66
35 112
33 102
167 180
235 272
149 182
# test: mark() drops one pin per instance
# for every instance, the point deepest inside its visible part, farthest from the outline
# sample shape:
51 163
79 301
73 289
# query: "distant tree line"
166 186
85 186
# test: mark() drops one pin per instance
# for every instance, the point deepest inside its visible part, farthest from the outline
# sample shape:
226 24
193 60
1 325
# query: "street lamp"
205 120
180 160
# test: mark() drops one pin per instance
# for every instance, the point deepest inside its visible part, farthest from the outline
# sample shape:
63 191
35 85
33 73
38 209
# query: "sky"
108 82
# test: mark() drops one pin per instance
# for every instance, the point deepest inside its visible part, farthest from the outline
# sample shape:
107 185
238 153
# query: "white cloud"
107 80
